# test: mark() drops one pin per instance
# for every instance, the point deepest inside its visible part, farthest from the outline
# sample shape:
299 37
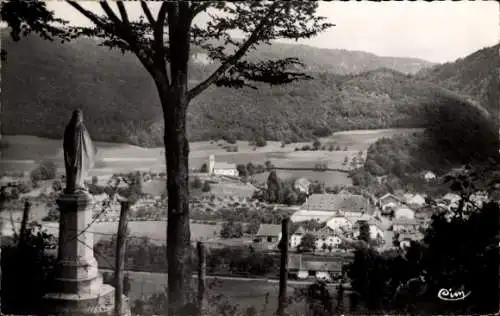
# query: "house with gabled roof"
345 204
306 215
303 267
376 229
405 224
268 233
415 200
389 201
405 239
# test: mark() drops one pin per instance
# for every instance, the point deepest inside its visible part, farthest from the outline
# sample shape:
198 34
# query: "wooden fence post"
24 224
282 299
120 256
202 271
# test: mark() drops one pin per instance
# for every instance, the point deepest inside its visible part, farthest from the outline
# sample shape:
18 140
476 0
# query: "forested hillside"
476 76
458 134
120 102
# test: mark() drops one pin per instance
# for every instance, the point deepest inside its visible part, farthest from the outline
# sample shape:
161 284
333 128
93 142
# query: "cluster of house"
342 214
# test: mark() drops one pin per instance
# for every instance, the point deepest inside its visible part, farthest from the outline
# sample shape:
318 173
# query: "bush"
197 184
45 171
230 139
260 142
204 168
26 272
322 132
206 187
316 144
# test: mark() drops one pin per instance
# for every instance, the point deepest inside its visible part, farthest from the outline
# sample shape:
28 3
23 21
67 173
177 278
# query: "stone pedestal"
77 288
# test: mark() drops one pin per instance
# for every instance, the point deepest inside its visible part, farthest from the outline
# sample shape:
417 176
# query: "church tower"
211 164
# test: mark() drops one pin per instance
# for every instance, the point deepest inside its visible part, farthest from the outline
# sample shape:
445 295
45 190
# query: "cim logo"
450 295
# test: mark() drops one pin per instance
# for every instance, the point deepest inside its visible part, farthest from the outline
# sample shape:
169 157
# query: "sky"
441 31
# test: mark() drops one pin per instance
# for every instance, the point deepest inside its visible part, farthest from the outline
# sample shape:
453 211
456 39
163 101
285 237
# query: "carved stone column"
77 287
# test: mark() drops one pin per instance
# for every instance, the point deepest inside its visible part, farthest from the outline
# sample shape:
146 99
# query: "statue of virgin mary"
79 153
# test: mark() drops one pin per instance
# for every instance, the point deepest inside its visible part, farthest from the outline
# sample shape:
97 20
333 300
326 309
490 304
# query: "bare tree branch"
105 6
197 9
148 14
123 12
237 55
89 15
162 14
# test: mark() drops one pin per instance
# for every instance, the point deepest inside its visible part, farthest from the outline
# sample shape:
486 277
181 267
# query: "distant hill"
120 102
475 76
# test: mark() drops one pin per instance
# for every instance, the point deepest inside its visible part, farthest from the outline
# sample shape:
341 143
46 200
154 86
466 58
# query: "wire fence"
244 293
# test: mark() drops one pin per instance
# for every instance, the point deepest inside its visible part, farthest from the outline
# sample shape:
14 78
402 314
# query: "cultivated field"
329 178
25 151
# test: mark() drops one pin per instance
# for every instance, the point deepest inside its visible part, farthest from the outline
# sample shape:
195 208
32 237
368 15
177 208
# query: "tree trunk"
178 231
120 257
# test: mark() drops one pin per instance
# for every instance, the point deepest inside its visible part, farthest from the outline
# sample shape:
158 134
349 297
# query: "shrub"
204 168
230 139
26 272
322 132
197 183
206 187
45 171
57 185
260 142
316 144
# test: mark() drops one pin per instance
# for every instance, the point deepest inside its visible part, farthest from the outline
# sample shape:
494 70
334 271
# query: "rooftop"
416 236
269 230
304 215
404 221
224 165
337 202
297 262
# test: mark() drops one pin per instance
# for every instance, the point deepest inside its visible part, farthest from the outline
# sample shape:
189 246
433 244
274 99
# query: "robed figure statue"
79 153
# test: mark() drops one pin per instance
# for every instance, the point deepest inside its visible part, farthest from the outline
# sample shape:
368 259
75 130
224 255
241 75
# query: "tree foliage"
408 280
45 171
231 230
165 56
307 243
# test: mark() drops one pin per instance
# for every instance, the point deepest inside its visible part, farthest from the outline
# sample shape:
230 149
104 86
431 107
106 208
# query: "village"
324 228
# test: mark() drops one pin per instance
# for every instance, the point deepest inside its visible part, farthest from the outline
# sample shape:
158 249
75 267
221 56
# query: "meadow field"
329 178
154 230
24 152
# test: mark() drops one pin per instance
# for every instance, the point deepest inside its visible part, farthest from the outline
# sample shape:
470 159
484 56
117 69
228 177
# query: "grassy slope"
120 102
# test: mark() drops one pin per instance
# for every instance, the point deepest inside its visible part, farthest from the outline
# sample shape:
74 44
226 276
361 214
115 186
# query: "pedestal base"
100 303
